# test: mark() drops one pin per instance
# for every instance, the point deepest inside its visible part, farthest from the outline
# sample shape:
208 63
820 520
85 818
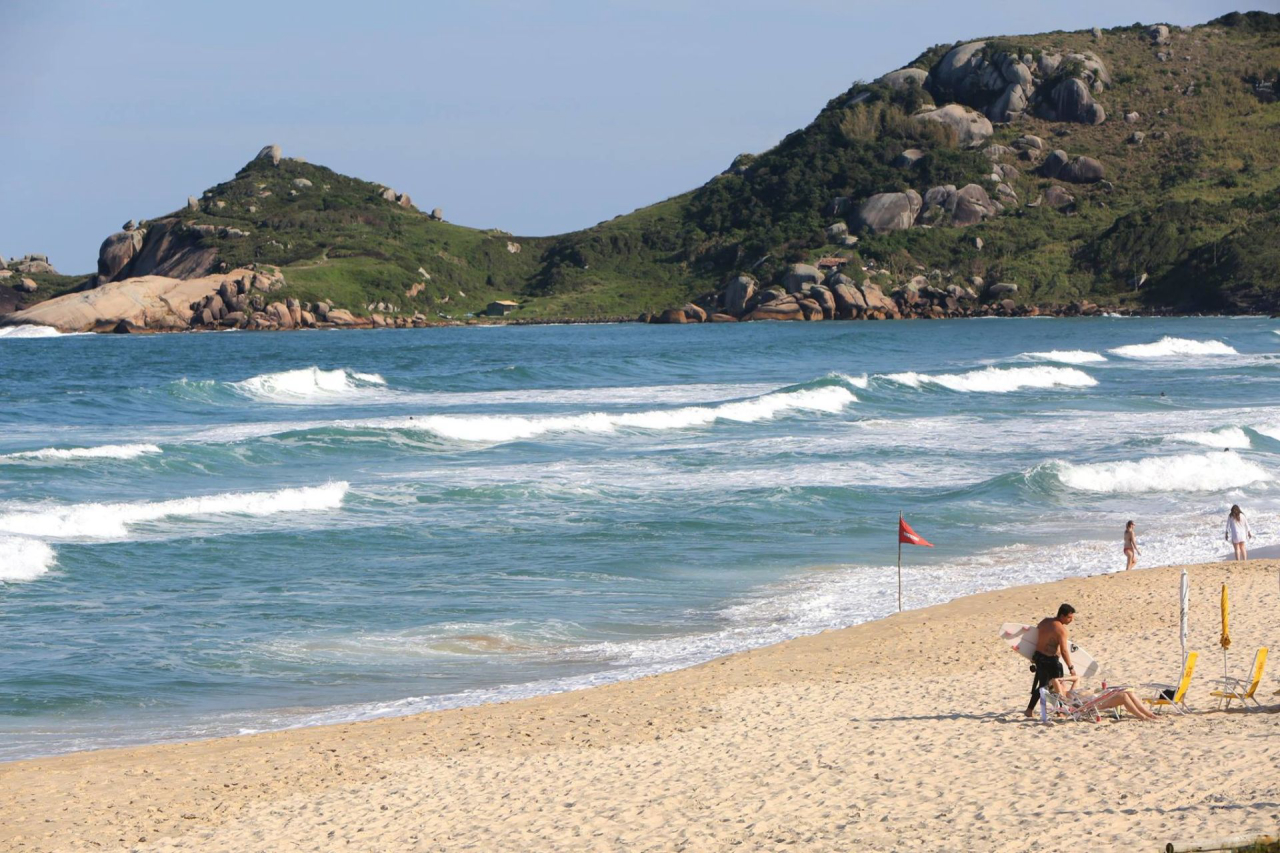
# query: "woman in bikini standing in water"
1131 551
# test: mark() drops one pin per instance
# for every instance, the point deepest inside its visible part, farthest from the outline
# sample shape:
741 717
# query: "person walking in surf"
1238 532
1131 551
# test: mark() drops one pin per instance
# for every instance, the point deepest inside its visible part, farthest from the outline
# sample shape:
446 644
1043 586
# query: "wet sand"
901 734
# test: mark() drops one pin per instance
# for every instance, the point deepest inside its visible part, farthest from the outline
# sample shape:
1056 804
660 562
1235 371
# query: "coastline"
367 324
849 739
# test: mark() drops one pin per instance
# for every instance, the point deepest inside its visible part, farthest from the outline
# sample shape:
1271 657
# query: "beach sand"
901 734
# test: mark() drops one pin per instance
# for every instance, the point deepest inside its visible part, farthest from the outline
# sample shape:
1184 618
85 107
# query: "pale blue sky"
537 118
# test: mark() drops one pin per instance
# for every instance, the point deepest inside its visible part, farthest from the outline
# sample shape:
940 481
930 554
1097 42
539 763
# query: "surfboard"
1022 639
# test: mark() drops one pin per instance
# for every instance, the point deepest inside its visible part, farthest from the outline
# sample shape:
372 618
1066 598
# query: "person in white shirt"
1238 532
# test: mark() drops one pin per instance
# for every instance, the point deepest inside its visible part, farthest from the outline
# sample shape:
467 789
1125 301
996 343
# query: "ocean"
212 534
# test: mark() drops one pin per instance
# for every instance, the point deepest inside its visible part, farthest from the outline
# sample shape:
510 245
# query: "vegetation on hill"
1190 202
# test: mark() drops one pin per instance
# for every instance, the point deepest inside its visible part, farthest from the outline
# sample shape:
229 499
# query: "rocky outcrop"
1158 33
888 212
1054 163
26 285
116 252
904 78
1072 101
1058 198
739 291
151 302
399 198
270 152
971 128
32 265
971 205
166 247
800 275
1083 170
1004 86
959 207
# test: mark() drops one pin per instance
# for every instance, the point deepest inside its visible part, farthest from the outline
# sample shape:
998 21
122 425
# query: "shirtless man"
1053 640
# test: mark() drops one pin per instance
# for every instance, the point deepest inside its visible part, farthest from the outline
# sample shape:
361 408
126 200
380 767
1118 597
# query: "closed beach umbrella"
1184 606
1225 639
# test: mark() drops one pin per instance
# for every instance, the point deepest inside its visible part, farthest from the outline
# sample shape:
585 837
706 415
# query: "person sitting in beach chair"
1081 706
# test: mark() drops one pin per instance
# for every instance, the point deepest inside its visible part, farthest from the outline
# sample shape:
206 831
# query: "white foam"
1066 356
28 332
308 385
111 521
499 428
23 559
106 451
998 380
1232 437
1189 472
1270 430
1170 346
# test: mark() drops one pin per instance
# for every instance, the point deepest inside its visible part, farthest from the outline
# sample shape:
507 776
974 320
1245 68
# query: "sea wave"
499 428
1226 437
1066 356
23 559
1188 472
106 451
29 332
997 380
308 385
1169 346
112 520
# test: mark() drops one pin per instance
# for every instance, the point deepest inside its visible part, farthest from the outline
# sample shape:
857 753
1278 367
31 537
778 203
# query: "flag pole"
899 561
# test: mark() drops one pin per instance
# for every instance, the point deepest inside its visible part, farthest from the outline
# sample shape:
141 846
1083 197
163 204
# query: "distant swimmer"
1131 550
1238 532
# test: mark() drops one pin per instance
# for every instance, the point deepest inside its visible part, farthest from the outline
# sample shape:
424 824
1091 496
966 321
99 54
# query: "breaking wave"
106 451
21 332
1170 346
111 521
1226 437
23 559
1066 356
308 385
998 380
1189 472
830 398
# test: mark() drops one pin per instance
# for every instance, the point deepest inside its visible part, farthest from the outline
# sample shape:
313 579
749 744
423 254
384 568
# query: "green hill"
1167 198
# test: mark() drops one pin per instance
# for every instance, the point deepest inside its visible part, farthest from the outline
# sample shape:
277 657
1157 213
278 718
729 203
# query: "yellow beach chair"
1170 695
1239 690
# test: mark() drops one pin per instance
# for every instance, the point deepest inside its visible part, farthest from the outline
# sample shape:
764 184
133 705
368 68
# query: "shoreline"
744 739
1055 312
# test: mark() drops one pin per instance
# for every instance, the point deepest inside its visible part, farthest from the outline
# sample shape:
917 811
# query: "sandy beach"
905 733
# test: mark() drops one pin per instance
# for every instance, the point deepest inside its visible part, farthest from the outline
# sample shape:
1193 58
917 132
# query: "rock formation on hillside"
990 77
32 264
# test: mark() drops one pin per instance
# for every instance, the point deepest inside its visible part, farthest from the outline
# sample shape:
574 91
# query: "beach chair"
1078 707
1238 689
1172 695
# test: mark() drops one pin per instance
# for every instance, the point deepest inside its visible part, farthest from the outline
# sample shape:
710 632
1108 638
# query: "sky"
534 117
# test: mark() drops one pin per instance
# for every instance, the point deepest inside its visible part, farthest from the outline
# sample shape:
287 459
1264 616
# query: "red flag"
909 536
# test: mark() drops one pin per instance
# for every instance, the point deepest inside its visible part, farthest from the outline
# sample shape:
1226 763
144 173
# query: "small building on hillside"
501 308
831 263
